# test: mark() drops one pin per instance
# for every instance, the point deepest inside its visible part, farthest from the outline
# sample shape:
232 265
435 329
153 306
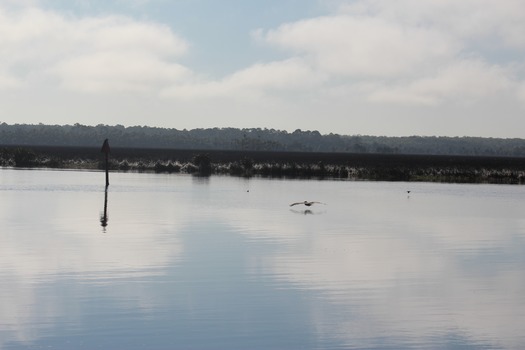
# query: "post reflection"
104 216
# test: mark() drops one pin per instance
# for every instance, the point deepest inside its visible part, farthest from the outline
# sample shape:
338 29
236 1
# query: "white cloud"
7 81
363 47
115 71
466 19
521 92
463 81
89 54
411 52
261 78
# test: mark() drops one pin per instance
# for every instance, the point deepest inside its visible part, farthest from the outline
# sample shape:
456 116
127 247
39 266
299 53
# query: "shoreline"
345 166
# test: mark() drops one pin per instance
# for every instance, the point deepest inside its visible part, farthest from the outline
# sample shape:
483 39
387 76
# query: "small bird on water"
308 204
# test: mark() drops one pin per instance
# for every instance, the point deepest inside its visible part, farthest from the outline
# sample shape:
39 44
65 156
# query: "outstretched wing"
318 203
296 203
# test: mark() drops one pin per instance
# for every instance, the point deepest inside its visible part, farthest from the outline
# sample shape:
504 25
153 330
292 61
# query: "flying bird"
308 204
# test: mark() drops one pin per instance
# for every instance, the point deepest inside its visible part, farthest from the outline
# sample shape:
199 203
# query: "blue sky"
376 67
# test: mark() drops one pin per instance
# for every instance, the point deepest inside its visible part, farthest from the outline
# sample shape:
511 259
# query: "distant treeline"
254 139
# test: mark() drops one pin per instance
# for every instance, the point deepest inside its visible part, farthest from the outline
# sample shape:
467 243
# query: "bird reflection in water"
303 212
104 216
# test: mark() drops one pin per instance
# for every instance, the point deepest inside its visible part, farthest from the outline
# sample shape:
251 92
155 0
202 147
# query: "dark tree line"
253 139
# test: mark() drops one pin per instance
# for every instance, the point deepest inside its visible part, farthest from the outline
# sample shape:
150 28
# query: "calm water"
224 263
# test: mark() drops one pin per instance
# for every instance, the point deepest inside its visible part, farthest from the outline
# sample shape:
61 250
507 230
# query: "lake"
184 262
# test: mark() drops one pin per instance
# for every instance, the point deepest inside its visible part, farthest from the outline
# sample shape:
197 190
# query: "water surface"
182 262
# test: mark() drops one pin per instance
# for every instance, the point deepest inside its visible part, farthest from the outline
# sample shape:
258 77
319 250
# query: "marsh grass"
385 167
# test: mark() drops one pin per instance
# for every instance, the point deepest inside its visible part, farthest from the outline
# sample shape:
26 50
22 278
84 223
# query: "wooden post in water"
105 149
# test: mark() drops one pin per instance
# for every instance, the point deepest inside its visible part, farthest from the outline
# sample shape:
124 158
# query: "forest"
264 152
252 139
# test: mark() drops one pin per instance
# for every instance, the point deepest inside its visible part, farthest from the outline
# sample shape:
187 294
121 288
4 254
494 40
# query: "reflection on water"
229 265
308 211
104 216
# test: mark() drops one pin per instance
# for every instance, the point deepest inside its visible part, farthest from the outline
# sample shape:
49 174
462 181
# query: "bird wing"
296 203
318 203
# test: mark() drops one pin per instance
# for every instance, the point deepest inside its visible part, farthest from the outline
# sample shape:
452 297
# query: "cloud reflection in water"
214 265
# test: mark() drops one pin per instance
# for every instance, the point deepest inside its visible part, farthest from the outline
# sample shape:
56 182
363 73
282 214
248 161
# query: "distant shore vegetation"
264 152
315 165
253 139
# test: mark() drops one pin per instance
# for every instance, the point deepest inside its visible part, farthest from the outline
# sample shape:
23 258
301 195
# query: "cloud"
464 81
521 92
7 81
260 78
466 19
115 71
363 47
96 54
411 52
408 52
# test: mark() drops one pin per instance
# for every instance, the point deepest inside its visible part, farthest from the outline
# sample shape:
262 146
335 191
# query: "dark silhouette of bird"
307 203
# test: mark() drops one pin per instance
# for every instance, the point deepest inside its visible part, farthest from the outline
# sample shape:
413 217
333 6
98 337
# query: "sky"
354 67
